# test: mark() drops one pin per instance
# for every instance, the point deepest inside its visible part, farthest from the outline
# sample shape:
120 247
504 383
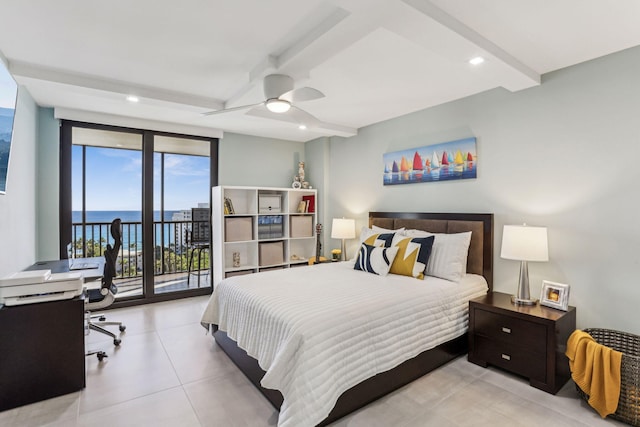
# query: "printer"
26 287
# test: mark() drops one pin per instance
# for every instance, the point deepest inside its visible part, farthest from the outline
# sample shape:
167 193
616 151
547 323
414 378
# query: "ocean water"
125 216
131 226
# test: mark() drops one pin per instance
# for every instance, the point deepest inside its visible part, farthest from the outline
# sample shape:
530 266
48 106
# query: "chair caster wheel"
116 342
101 355
102 318
122 328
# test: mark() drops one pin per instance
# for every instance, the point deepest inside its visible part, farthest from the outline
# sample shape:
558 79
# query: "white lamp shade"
524 243
343 228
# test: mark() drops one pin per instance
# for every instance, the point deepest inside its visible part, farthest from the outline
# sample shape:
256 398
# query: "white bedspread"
318 331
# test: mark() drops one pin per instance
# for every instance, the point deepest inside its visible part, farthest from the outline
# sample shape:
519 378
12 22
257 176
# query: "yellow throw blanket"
595 368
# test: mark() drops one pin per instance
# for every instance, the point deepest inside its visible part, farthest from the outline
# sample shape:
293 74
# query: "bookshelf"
261 228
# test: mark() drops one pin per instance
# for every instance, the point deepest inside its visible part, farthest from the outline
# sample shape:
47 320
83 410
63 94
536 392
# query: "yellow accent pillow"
412 257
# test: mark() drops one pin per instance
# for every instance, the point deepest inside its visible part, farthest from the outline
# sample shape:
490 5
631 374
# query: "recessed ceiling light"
476 61
132 98
302 127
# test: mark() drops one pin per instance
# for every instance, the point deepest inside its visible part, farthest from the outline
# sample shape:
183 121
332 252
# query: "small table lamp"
523 243
343 228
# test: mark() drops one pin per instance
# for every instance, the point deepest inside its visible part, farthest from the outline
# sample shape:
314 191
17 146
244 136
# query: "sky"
114 180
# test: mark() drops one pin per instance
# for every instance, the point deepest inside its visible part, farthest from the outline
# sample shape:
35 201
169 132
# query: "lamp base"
519 301
343 248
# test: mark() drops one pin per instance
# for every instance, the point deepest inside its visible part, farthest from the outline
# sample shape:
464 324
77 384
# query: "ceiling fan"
280 99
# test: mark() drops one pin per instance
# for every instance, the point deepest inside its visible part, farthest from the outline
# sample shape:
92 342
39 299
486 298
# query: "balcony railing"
172 247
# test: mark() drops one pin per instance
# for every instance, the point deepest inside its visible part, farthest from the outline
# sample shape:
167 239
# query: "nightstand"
529 341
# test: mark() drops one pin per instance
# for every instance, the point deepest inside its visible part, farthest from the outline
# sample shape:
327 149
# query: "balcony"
171 255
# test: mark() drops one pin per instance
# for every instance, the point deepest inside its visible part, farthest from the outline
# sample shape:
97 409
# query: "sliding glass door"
181 191
107 184
155 183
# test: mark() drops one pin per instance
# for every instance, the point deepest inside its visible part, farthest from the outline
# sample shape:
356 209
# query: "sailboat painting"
445 161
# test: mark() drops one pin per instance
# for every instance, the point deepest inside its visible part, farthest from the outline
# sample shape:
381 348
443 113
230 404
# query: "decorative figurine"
298 180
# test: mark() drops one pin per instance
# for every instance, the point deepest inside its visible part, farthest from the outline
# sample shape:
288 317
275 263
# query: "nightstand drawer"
511 330
513 358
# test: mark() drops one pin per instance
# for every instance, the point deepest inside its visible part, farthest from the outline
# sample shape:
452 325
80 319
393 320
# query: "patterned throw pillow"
374 259
380 240
413 256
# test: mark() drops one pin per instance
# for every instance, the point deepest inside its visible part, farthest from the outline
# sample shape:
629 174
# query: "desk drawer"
511 330
515 359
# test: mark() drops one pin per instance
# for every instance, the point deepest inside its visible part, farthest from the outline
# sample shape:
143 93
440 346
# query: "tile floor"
167 372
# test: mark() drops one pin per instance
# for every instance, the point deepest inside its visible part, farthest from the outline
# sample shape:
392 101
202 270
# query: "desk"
42 345
62 266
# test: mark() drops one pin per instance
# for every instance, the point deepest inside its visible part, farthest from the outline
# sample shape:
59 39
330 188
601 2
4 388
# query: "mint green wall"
316 153
18 205
255 161
47 187
562 155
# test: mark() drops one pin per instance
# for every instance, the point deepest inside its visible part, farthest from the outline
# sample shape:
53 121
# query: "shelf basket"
628 344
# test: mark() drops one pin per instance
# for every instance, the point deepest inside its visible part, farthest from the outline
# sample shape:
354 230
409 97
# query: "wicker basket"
628 409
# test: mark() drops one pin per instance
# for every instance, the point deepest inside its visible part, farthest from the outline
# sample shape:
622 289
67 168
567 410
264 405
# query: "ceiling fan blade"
228 110
303 118
302 94
297 116
294 115
262 111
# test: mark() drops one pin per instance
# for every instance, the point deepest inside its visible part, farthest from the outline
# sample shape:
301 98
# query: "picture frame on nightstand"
555 295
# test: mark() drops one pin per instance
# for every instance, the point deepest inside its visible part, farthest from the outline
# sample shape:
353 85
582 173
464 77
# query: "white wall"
563 155
17 206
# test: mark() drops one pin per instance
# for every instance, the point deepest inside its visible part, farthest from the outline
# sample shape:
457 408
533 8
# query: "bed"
370 334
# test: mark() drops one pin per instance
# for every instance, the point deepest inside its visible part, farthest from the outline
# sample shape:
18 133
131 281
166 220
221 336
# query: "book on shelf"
311 201
228 206
302 206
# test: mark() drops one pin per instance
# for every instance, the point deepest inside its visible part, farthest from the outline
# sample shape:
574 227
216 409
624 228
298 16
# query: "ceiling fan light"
276 105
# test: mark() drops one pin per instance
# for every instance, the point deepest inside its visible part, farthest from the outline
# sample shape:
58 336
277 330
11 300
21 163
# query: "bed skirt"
361 394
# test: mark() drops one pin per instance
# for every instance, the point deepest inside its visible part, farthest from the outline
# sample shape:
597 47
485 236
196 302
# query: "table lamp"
343 228
524 244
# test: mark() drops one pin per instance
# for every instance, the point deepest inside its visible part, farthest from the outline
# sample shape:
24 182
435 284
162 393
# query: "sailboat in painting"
435 163
445 159
417 166
458 159
458 162
435 167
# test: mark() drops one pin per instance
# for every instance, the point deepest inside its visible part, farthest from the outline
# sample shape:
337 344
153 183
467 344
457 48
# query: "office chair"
97 299
199 240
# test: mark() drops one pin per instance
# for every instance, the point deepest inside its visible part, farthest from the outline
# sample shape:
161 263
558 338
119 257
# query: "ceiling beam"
32 71
432 11
320 22
135 122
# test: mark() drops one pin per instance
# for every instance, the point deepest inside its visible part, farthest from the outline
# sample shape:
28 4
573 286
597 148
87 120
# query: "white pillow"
386 230
448 258
375 260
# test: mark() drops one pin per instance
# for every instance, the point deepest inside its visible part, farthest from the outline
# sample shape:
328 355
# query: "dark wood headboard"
480 259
